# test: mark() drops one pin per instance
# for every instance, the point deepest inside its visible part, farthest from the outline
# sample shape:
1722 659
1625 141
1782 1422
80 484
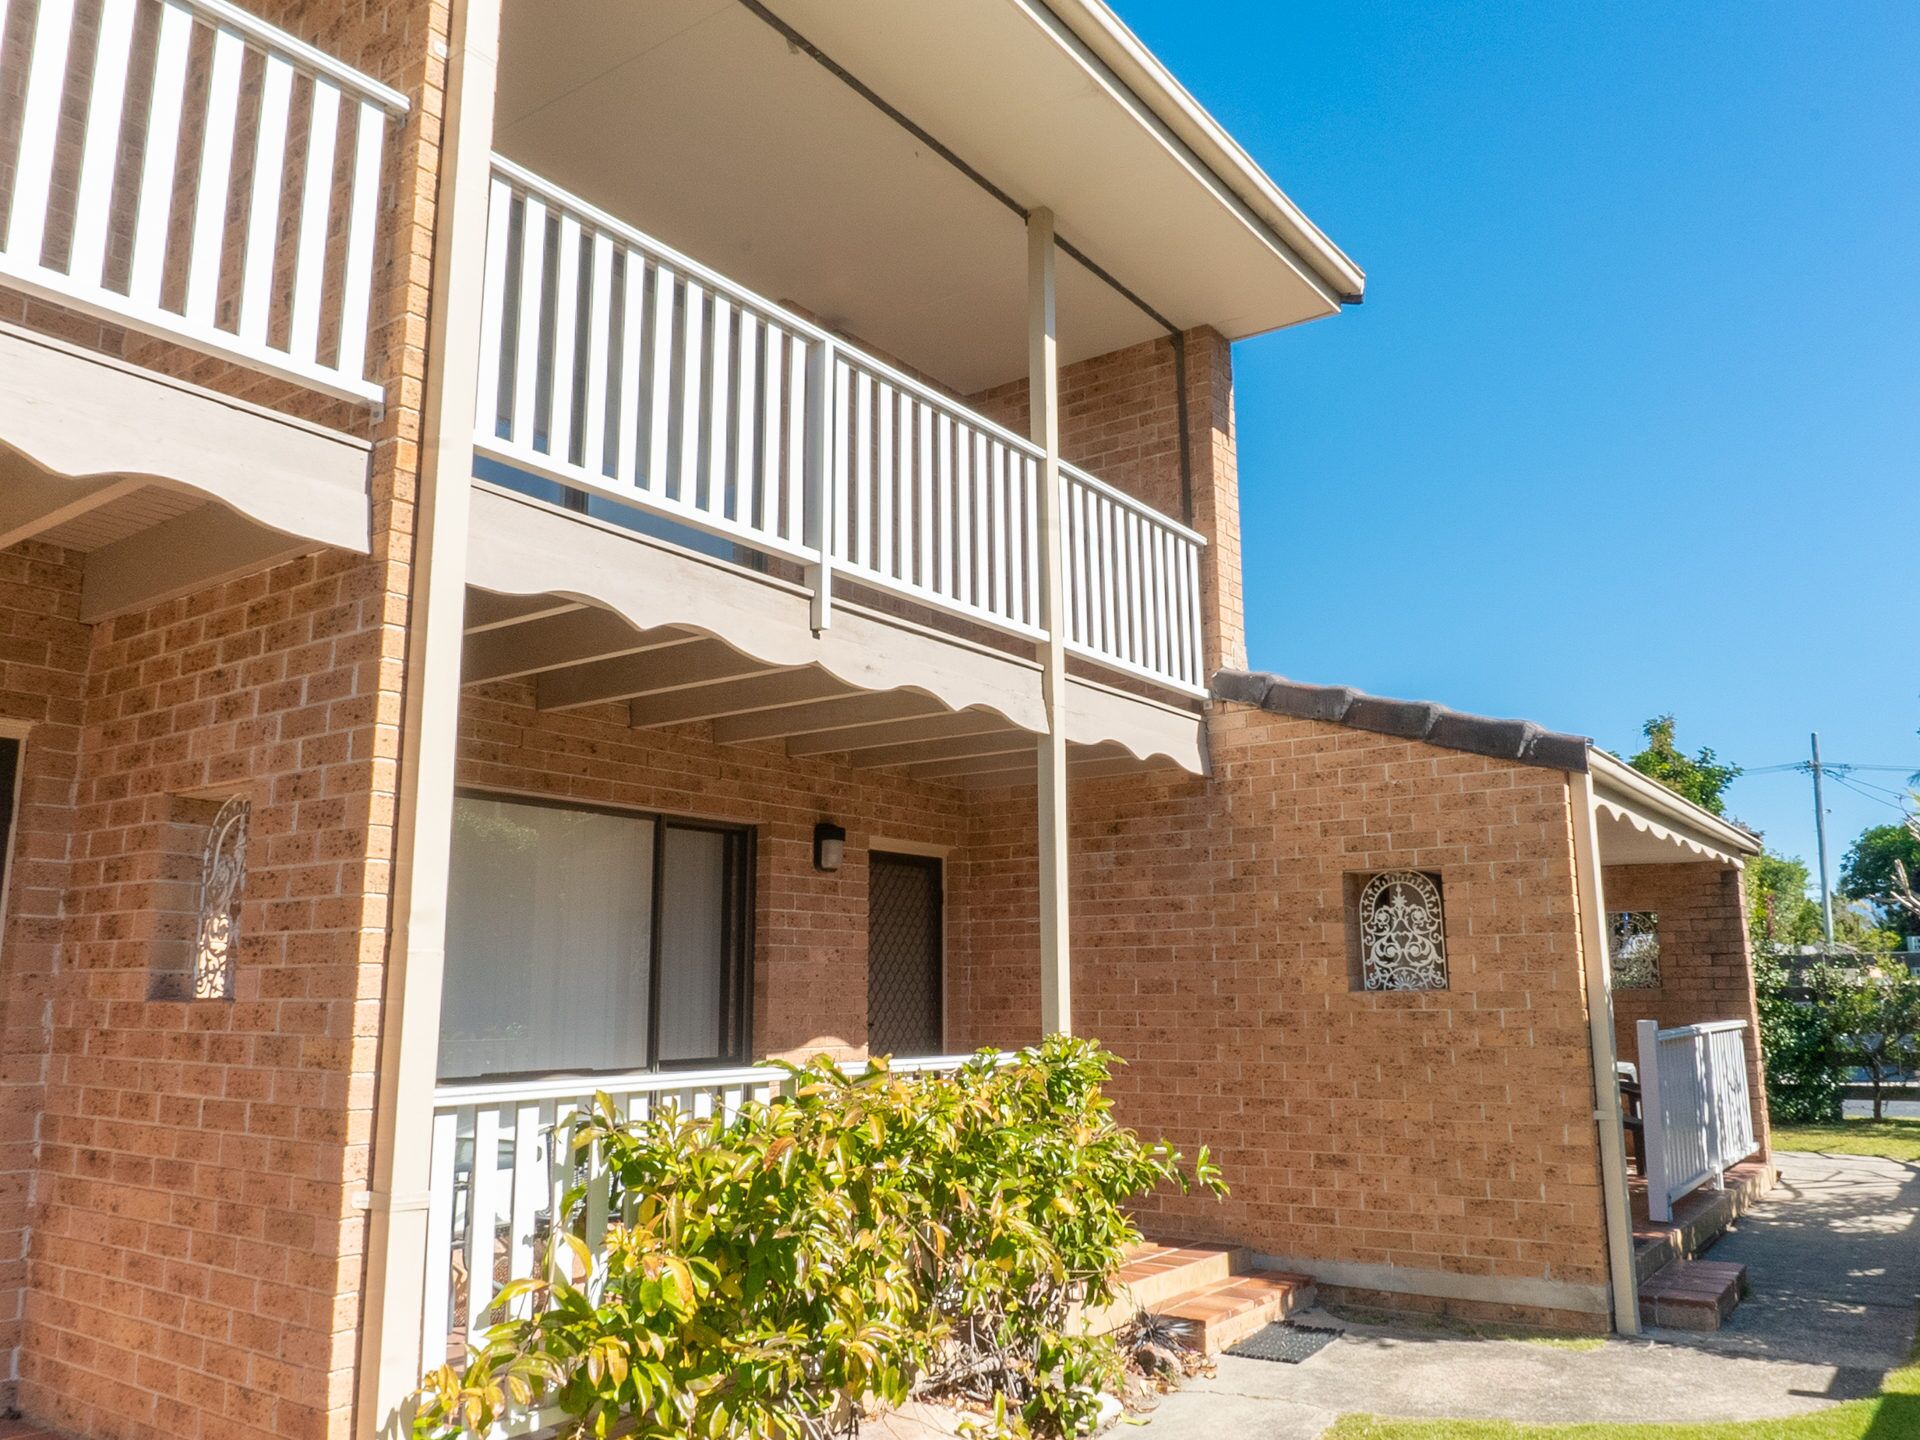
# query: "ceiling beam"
32 504
860 708
652 673
553 642
772 691
1083 762
959 767
1001 742
487 610
190 552
939 725
1102 766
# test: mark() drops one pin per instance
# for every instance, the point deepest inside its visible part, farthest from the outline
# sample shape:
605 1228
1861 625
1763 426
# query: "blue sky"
1630 419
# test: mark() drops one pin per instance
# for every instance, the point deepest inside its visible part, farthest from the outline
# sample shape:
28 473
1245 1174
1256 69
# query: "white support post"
1654 1137
391 1358
1043 396
822 488
1716 1124
1611 1131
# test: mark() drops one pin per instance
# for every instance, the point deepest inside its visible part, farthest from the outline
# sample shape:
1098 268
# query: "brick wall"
1435 1143
195 1250
42 674
194 1246
810 954
1706 964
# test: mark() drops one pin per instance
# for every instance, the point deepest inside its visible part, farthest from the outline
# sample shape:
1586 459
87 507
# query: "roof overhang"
1642 822
869 161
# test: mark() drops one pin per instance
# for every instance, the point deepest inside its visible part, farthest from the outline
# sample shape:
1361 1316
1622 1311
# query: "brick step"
1154 1274
1692 1294
1227 1311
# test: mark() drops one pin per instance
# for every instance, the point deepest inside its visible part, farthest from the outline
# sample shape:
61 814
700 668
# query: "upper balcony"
616 368
757 284
755 294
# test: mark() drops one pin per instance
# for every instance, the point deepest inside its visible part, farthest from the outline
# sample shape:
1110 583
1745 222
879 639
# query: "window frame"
737 932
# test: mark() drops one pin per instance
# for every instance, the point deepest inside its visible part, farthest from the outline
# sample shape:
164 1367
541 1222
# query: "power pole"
1820 835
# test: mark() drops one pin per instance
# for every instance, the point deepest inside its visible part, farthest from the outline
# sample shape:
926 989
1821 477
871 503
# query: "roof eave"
1645 793
1120 50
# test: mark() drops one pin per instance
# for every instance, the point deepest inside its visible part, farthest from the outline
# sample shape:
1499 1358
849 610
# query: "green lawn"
1893 1415
1895 1139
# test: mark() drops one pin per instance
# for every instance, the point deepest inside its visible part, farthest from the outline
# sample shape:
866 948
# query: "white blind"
549 916
692 945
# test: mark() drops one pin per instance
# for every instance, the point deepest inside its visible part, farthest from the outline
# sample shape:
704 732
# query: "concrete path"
1835 1260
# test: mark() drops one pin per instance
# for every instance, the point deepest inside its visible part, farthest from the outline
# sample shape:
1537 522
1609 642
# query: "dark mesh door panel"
903 955
9 772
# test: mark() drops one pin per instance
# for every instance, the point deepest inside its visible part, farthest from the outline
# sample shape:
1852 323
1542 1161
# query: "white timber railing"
612 364
1696 1105
1133 584
233 211
500 1167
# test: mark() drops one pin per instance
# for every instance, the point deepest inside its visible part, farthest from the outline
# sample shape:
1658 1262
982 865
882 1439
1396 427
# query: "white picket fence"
614 365
1696 1105
262 250
500 1167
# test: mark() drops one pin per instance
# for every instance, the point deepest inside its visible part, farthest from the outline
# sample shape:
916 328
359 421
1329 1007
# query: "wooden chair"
1635 1123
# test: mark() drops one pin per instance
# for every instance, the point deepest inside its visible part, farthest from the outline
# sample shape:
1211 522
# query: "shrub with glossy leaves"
863 1239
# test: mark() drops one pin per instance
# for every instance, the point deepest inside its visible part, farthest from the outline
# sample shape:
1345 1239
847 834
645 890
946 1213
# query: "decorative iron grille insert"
1403 943
223 873
1633 945
903 955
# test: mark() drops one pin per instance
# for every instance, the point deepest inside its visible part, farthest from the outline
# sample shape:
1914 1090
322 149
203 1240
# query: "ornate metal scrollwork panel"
1403 942
1633 945
223 873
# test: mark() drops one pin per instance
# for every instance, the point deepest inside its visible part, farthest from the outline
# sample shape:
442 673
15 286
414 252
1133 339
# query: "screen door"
903 955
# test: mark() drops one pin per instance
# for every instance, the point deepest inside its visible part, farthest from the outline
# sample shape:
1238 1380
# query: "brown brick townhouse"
619 540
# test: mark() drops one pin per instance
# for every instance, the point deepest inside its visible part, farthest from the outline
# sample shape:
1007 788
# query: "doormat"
1287 1343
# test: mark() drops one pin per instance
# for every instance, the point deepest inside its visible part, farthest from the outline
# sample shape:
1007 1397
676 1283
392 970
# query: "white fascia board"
1648 796
1139 81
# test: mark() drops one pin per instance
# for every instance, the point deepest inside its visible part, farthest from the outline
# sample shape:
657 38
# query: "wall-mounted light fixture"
829 846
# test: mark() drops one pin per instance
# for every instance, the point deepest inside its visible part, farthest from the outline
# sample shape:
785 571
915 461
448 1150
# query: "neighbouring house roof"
1626 798
1521 741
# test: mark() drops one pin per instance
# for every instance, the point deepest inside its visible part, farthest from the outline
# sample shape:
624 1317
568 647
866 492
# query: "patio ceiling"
868 161
155 483
577 656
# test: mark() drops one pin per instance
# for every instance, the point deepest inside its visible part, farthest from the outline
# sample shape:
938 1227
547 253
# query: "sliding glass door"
587 940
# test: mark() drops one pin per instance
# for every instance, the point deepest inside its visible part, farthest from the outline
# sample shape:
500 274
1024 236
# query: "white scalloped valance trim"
1615 810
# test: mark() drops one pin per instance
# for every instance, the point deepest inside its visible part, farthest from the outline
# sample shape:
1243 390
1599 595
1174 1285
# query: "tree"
1875 1016
1906 899
1805 1078
1779 911
1701 778
1871 869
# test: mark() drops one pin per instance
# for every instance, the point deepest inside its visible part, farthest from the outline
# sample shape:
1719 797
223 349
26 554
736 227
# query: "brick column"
1706 964
1212 455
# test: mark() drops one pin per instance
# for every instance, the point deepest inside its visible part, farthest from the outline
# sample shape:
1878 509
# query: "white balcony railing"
272 131
1133 593
499 1168
611 364
1697 1107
